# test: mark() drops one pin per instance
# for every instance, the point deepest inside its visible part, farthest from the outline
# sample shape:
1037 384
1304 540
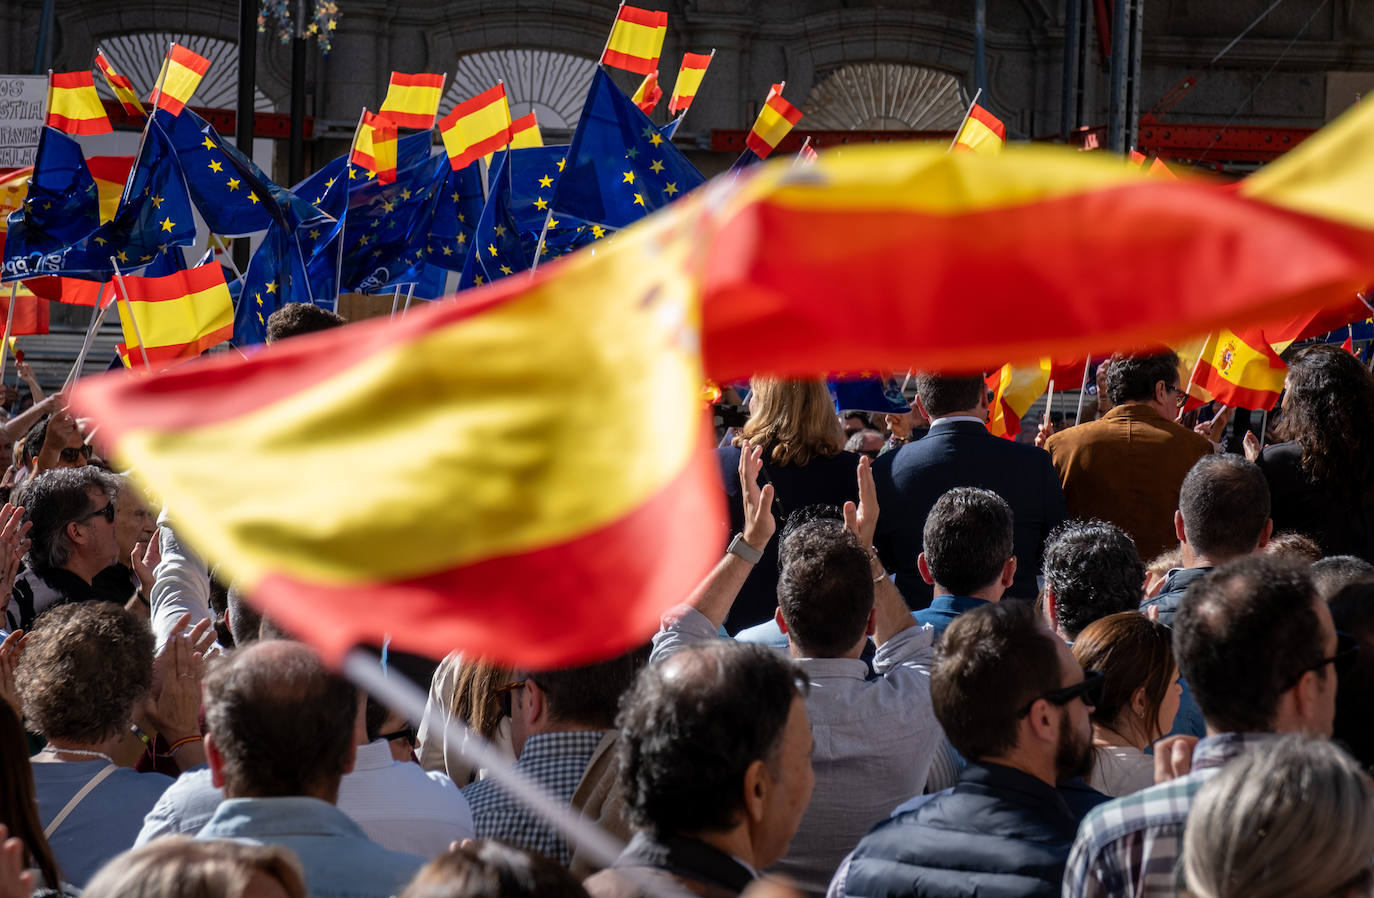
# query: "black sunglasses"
503 694
76 453
1347 650
409 734
1090 690
108 511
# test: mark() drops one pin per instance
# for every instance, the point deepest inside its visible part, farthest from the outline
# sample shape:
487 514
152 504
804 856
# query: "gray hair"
54 499
1294 818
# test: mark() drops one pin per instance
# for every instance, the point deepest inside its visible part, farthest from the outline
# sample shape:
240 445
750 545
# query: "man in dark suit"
959 451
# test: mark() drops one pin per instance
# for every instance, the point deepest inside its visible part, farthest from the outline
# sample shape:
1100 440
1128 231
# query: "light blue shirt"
340 861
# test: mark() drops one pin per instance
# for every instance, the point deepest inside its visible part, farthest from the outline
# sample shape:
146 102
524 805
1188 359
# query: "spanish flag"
73 105
636 40
983 132
179 78
775 120
374 146
524 132
174 317
550 554
476 127
647 95
1016 387
120 86
110 174
412 101
1238 369
688 82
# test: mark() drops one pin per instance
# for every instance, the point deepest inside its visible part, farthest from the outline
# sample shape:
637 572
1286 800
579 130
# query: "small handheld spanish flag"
524 132
775 120
412 101
688 80
982 132
120 86
73 105
1237 368
648 93
175 317
476 127
179 78
636 40
374 146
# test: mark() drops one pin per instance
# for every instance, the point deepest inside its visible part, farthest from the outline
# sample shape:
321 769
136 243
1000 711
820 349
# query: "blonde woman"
794 421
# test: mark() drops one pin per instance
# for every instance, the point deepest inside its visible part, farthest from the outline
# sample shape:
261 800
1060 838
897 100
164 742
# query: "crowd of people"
929 662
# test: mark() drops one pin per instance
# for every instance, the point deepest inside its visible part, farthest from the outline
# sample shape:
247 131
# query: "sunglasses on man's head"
76 453
108 512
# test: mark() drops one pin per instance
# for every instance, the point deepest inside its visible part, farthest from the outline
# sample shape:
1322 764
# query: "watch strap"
741 548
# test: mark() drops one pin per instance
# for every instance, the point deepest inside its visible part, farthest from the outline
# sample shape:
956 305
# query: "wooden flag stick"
133 322
978 93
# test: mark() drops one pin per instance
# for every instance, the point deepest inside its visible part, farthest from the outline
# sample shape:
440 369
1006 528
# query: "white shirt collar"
949 419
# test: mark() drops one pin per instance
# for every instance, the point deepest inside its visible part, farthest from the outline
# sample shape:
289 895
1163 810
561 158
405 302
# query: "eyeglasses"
1090 690
1347 650
503 694
108 511
409 734
1182 395
76 453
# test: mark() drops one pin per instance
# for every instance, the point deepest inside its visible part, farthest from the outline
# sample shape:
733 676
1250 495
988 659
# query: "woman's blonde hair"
794 420
179 867
1292 818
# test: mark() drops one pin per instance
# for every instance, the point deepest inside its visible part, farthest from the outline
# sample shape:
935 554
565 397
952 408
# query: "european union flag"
498 250
230 191
534 174
746 159
456 210
321 243
61 207
868 394
387 225
619 166
276 275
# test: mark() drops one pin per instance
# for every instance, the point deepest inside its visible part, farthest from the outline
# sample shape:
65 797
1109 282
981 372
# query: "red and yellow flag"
524 132
1016 387
71 291
477 127
982 132
174 317
412 101
648 93
374 146
1238 369
120 86
775 120
73 105
14 186
636 40
110 173
179 78
689 77
512 554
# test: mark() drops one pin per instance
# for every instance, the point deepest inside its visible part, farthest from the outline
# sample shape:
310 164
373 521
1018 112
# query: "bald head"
279 723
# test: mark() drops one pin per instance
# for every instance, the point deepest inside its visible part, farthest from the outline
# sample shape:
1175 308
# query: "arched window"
139 56
553 84
882 96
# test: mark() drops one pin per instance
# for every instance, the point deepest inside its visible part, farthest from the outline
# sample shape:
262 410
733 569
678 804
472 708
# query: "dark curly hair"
967 539
84 666
1327 409
691 726
1094 570
296 318
1132 377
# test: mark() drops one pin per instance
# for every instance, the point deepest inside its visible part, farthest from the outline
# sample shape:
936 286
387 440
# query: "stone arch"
884 96
139 55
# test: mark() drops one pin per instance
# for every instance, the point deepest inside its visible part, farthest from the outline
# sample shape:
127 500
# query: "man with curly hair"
1091 570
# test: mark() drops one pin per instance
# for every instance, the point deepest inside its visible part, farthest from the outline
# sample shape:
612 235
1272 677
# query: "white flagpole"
97 318
410 292
9 323
395 299
1083 389
964 120
1049 401
133 322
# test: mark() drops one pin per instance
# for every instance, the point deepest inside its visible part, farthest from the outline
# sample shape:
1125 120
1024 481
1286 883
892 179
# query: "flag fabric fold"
1237 368
636 40
689 78
374 147
647 95
181 73
524 132
73 105
121 87
477 127
774 122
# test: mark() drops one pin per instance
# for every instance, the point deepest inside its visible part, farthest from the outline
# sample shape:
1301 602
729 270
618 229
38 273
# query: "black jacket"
964 453
1340 521
999 833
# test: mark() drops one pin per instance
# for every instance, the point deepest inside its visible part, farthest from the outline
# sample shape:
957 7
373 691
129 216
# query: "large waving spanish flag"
448 544
504 512
181 72
1237 368
636 40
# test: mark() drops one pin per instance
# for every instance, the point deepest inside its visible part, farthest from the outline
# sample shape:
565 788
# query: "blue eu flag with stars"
61 207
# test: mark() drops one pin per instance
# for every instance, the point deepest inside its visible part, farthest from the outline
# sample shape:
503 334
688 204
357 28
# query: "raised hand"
759 524
862 519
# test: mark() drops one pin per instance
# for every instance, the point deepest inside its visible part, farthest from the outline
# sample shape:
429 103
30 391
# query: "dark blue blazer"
963 453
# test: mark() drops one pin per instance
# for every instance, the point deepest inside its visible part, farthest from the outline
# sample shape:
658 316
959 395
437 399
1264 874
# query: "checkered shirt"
555 762
1132 846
